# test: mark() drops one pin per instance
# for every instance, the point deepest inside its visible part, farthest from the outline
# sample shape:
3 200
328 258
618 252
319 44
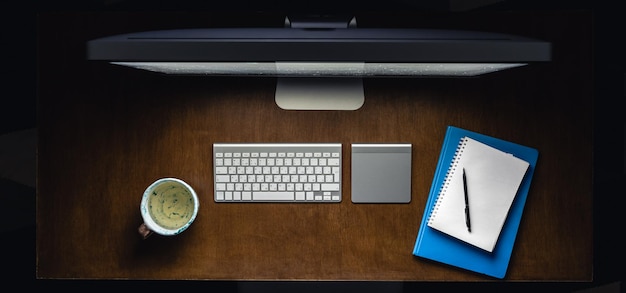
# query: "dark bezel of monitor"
334 44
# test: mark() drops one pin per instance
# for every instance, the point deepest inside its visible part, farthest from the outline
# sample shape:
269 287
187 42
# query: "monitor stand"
319 93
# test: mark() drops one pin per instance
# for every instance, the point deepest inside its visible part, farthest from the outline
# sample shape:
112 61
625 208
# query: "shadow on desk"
320 286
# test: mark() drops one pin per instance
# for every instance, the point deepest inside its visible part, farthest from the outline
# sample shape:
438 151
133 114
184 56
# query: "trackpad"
381 173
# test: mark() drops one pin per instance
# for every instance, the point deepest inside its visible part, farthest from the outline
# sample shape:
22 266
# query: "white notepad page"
493 178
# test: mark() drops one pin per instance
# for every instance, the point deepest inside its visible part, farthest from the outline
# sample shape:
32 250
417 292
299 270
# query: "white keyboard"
277 172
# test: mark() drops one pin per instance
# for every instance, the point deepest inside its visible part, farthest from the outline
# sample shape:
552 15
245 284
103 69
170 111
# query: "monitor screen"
321 69
317 60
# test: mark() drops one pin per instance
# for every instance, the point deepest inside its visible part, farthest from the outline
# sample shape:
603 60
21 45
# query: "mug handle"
144 231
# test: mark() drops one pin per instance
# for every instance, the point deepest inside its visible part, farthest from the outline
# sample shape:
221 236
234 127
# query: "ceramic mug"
168 207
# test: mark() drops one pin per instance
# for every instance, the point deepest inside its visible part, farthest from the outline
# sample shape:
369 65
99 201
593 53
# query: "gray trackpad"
381 173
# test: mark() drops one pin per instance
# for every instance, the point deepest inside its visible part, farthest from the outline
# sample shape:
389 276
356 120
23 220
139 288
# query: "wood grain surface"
107 132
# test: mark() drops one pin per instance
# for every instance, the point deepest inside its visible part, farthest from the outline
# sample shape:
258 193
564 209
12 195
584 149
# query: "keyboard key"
273 196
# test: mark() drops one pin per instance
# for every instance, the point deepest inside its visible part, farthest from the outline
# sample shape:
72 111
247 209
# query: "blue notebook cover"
434 245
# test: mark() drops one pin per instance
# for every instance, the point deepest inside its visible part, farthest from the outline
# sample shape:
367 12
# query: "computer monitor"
320 63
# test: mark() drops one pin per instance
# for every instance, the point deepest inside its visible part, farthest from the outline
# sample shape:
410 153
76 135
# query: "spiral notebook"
492 180
437 246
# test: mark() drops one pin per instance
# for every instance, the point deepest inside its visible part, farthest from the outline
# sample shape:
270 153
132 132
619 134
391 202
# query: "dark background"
19 83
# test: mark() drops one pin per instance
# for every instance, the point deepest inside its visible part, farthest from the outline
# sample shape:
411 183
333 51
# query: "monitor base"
319 93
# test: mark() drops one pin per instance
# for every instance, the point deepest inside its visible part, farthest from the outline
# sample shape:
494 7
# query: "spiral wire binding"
446 181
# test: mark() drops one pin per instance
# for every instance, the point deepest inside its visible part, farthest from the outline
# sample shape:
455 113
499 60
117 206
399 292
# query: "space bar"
273 195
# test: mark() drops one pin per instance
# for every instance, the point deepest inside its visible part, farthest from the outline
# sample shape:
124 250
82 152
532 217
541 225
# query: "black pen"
467 212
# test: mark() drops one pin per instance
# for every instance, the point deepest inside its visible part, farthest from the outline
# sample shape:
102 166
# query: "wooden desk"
107 132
